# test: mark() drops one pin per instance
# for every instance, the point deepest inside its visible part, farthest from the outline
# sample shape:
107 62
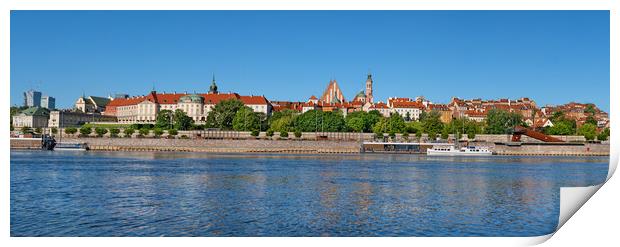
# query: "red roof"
253 100
173 98
379 105
409 104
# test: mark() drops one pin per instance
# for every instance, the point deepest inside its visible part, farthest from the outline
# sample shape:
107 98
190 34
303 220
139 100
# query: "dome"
361 94
192 98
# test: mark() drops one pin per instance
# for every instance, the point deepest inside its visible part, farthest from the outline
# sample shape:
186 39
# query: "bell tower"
369 97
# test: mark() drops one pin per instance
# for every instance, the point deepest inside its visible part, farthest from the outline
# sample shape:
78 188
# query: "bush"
70 130
158 132
114 132
184 137
471 134
432 136
38 130
54 130
392 135
173 132
144 131
85 131
378 135
255 133
283 134
26 129
406 136
298 133
101 131
269 133
129 132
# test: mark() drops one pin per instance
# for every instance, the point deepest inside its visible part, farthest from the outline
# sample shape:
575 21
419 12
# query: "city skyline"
553 57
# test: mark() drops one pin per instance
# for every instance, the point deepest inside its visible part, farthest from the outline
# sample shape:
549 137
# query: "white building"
33 117
144 109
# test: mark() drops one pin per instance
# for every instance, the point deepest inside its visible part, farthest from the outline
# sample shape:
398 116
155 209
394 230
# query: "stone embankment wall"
563 150
218 146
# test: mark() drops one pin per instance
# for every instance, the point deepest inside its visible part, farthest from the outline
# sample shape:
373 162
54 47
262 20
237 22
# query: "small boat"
71 146
452 150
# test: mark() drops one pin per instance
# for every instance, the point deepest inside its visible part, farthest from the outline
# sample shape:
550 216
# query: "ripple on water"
126 194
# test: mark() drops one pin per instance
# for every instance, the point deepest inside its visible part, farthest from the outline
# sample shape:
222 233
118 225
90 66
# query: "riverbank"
299 146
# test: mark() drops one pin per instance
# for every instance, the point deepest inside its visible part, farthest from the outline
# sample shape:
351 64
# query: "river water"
195 194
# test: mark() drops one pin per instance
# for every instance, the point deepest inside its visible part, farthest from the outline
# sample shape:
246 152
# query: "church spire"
213 87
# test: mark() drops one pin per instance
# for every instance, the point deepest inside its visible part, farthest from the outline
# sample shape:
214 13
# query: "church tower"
213 87
369 97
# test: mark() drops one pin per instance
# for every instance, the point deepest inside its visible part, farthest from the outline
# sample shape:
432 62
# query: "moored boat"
71 146
453 150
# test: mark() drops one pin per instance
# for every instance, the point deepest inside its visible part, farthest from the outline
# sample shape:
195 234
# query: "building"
33 117
443 110
144 109
381 107
48 102
365 97
32 98
332 93
408 108
66 119
91 104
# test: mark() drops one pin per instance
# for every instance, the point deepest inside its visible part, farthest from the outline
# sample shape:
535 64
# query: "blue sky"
553 57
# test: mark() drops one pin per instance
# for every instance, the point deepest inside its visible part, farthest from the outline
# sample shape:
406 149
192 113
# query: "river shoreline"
294 146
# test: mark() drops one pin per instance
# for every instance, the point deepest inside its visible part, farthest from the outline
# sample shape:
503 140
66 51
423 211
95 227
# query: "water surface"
188 194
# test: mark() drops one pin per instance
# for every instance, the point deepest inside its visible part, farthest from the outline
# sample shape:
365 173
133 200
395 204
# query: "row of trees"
114 132
234 115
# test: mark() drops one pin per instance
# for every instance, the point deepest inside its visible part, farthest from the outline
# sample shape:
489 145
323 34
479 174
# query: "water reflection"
181 194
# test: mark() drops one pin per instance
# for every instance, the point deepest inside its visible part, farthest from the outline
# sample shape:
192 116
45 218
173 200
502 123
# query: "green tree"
283 123
157 132
100 131
85 131
172 132
114 132
164 119
129 132
588 131
591 120
431 122
224 112
355 124
317 120
392 124
590 109
408 117
471 134
362 121
562 127
246 120
502 122
604 135
445 133
181 120
70 130
298 133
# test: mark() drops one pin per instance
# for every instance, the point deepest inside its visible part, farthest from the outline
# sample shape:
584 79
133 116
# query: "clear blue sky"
551 56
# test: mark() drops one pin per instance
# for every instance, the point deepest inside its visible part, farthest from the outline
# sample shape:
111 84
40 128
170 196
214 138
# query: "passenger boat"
453 150
71 146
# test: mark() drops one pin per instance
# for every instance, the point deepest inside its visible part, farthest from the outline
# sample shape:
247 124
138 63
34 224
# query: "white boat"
71 146
452 150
